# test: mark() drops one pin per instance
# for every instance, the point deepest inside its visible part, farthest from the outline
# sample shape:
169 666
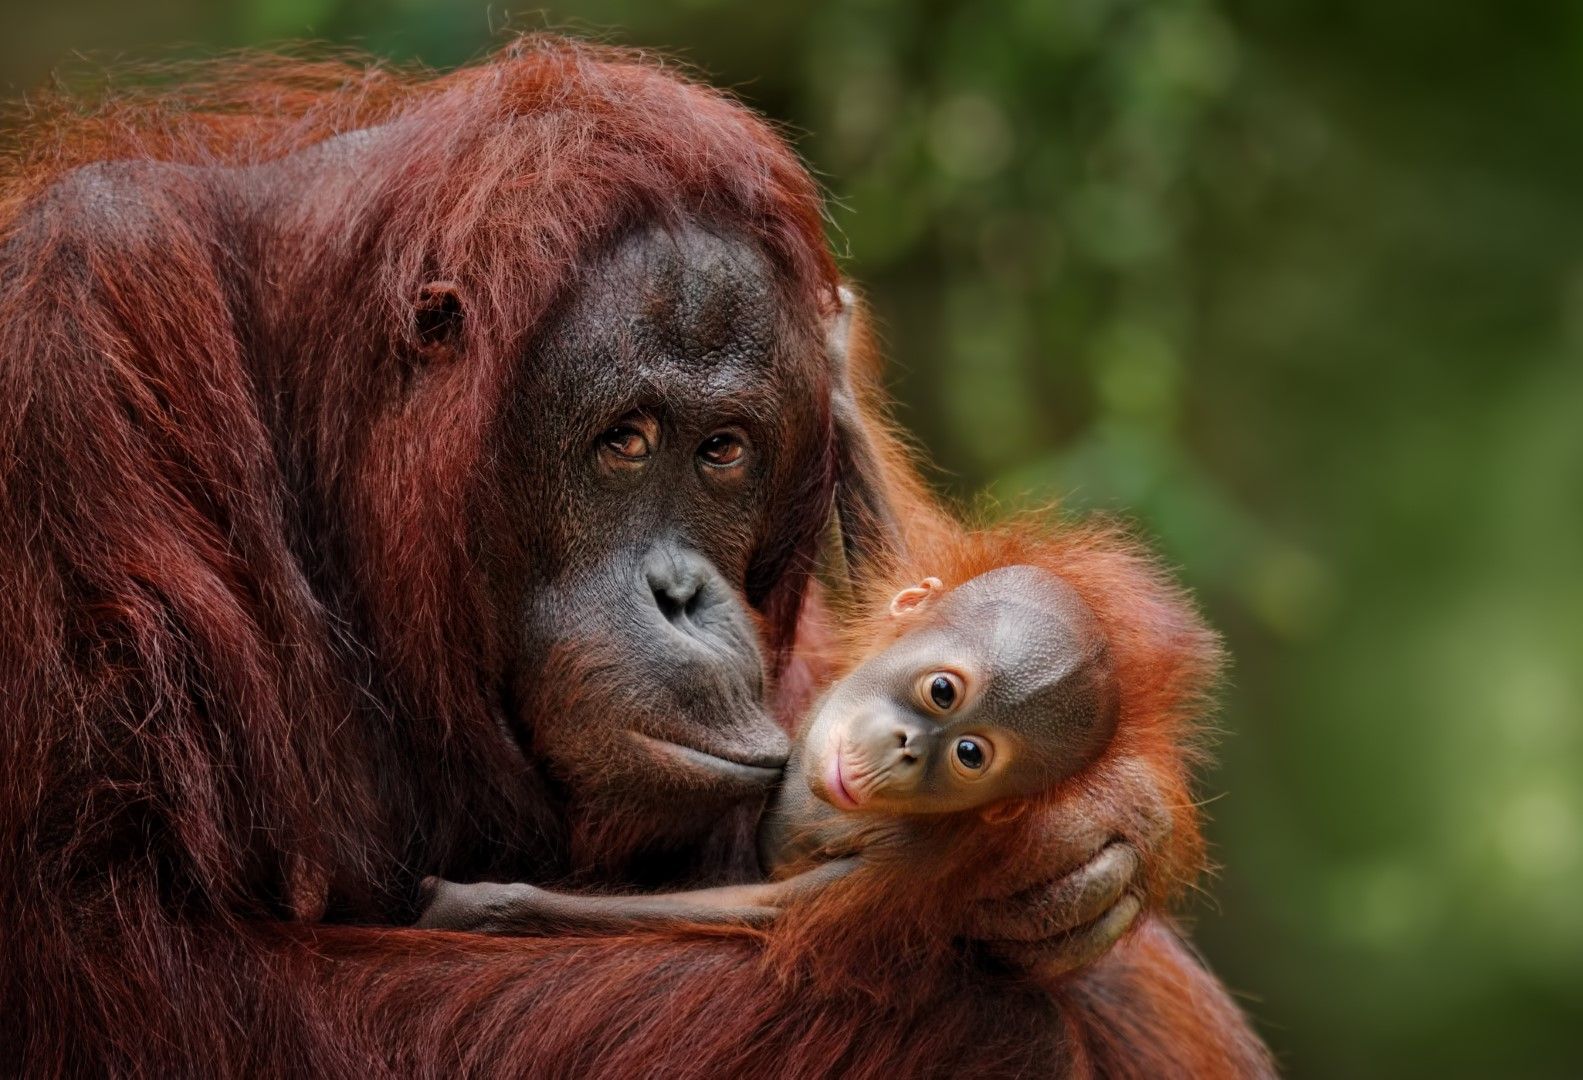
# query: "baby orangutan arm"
517 908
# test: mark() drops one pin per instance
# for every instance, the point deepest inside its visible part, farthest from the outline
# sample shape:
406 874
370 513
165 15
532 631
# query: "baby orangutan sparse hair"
968 697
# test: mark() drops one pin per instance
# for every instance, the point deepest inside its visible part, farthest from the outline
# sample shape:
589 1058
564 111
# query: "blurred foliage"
1300 286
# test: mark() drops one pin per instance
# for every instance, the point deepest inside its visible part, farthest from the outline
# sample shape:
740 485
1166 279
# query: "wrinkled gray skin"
627 595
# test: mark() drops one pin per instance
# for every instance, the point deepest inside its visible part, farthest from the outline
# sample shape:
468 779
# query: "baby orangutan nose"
890 751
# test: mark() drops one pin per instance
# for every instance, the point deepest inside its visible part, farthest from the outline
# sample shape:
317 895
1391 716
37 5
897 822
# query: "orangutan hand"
1065 908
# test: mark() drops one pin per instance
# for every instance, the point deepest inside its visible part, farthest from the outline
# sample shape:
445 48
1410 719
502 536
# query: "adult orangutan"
422 475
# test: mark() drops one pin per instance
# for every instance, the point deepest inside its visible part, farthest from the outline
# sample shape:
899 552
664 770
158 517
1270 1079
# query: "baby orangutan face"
996 690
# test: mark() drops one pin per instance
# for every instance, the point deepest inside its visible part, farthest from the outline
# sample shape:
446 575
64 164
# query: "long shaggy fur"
242 676
244 696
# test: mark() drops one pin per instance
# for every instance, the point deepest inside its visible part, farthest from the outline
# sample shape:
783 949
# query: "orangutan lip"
762 771
835 782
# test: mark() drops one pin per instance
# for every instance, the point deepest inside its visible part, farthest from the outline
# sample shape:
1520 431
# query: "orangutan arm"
700 1003
425 1003
519 908
1151 1009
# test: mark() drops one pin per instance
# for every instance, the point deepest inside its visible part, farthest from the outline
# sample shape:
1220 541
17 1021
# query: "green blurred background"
1300 286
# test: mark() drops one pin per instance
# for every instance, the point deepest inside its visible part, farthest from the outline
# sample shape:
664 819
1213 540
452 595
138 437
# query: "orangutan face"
664 429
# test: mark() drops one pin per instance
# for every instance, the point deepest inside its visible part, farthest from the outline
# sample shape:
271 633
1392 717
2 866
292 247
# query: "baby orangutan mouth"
829 783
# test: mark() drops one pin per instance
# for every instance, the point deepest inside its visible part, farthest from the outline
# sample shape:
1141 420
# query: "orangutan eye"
941 691
722 450
970 754
626 442
630 441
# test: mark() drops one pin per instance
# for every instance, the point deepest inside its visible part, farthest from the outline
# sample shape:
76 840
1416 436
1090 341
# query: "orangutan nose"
678 582
910 741
690 595
897 744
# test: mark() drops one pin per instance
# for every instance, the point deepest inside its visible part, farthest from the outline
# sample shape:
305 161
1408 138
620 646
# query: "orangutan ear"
998 813
910 600
437 318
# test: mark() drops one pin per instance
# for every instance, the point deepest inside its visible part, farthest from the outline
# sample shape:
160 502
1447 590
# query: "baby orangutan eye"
970 756
940 691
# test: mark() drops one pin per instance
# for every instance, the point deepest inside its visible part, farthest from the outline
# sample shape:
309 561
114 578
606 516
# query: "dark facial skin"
994 692
626 598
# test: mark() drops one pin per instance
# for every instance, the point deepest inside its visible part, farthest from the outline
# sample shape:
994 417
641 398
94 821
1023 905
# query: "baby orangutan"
989 694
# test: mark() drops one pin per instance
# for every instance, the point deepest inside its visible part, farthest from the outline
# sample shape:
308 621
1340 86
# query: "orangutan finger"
1083 946
1052 908
445 905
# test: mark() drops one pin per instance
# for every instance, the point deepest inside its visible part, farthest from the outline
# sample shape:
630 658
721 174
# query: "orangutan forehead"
1032 627
681 296
1026 597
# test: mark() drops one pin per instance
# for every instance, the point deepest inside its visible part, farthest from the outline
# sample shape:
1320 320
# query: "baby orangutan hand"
1063 911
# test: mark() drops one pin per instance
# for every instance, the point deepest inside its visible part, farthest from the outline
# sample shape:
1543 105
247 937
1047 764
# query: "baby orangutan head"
995 691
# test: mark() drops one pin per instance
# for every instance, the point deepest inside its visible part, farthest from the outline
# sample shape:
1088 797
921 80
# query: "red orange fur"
240 664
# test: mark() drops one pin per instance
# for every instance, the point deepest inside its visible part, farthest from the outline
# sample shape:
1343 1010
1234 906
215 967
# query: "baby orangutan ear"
998 813
910 600
437 317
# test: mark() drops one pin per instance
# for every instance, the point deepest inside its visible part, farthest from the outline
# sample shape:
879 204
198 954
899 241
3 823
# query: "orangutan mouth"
765 769
841 794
